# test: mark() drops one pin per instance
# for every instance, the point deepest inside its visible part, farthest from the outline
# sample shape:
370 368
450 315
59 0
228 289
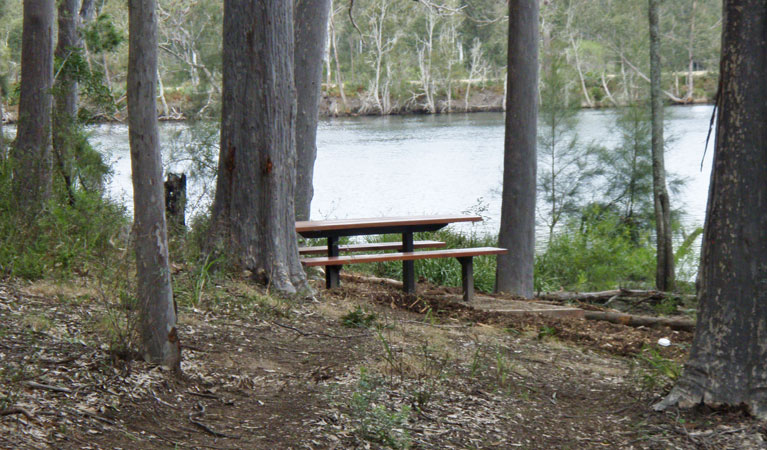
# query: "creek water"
435 164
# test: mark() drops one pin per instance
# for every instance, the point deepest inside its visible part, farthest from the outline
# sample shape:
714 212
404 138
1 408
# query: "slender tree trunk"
3 144
32 149
253 217
728 358
311 24
606 87
339 81
582 78
86 11
158 314
65 92
164 112
515 269
690 60
664 272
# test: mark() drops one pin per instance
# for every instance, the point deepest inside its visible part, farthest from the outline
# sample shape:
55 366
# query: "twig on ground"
48 387
16 410
193 348
203 394
93 415
194 416
55 362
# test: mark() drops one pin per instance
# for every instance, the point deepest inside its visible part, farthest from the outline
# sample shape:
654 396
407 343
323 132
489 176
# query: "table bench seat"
464 255
371 246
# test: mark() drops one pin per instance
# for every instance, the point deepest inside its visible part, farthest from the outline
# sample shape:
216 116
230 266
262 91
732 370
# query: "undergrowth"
441 271
63 240
657 371
374 422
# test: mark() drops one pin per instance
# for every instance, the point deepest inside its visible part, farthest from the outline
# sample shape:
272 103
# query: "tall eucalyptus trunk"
514 273
65 90
728 358
253 216
158 314
32 149
311 29
664 272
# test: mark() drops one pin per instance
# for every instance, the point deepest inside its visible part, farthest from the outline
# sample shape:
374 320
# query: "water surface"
438 164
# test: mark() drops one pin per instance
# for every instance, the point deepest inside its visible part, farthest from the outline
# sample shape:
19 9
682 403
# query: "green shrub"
656 370
600 252
374 421
358 318
62 239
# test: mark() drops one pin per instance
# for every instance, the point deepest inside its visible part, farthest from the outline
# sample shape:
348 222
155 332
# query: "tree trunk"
158 314
65 91
690 56
586 95
664 272
164 111
175 203
86 11
514 273
311 25
32 149
339 81
3 144
728 358
253 217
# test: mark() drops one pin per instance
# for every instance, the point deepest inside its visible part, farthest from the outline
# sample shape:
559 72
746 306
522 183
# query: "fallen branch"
193 416
203 394
641 321
92 415
48 387
58 362
607 296
16 410
371 279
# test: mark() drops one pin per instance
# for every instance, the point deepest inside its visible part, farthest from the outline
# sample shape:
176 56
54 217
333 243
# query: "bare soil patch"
260 372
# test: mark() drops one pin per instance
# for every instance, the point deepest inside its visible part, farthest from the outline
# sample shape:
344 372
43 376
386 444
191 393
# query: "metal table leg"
332 273
467 277
408 267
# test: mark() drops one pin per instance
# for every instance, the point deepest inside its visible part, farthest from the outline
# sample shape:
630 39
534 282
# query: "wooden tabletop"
318 226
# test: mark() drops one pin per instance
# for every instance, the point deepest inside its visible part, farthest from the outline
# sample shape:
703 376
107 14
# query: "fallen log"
602 295
641 321
370 279
606 296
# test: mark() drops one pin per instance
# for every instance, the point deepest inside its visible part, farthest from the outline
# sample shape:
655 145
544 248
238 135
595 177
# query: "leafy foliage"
64 239
599 251
376 423
358 318
657 370
102 35
565 166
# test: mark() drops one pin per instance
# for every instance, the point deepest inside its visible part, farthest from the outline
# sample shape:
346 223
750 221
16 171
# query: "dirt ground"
402 372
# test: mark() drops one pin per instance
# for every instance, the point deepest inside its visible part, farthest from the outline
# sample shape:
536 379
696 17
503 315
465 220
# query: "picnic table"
332 230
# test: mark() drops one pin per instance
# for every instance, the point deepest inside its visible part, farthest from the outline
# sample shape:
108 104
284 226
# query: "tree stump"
175 202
